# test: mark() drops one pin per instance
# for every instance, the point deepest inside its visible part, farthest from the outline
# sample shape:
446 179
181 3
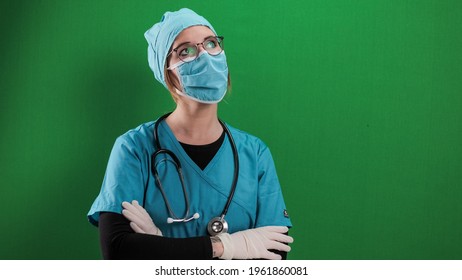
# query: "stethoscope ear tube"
236 170
177 163
219 225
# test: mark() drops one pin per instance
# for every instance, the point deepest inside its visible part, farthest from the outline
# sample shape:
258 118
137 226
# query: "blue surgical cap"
161 35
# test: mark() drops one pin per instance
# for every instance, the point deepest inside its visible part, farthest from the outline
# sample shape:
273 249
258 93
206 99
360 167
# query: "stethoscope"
216 225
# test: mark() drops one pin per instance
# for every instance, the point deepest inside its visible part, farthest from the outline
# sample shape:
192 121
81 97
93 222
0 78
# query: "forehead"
194 34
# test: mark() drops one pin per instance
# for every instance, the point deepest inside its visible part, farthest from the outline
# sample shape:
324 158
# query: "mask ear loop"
174 66
174 70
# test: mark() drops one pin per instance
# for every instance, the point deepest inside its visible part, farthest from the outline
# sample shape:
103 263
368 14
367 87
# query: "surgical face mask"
204 79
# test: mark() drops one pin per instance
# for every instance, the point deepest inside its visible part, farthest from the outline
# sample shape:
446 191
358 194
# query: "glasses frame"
220 40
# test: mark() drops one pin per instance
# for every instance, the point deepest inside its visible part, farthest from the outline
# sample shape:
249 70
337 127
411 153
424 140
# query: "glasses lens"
187 52
213 45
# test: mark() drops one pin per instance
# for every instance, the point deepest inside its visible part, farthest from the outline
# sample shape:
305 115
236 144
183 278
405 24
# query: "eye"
210 43
187 51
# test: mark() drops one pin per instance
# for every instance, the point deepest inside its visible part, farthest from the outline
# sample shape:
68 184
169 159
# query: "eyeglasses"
188 51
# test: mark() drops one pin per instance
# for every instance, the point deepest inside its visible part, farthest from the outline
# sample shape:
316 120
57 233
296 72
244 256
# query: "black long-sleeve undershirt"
119 241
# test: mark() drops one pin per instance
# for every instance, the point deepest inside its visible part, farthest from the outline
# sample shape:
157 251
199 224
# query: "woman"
207 179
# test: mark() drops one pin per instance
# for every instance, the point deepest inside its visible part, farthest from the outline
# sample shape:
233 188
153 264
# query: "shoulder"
246 140
138 138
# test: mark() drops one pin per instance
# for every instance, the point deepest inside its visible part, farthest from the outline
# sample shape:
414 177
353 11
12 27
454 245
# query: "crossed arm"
133 235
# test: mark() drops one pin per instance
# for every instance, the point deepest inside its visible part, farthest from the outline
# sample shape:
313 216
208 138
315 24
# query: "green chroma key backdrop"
360 103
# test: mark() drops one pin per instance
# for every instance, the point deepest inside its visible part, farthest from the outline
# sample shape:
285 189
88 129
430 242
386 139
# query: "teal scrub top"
257 202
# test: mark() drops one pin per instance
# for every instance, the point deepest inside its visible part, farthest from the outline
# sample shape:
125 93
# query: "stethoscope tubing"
176 161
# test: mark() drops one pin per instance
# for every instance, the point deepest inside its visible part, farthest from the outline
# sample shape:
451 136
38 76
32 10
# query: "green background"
360 103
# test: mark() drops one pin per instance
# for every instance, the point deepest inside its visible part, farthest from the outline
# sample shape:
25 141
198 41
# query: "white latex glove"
140 221
255 243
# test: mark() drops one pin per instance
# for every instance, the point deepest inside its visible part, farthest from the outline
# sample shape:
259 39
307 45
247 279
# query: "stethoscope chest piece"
217 225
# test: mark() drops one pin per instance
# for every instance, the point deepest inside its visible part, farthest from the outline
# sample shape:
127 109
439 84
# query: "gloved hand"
255 243
140 221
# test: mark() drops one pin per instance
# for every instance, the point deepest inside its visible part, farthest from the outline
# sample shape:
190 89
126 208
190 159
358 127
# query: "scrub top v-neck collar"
187 159
203 154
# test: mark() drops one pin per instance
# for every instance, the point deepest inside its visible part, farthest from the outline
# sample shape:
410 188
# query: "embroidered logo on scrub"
286 214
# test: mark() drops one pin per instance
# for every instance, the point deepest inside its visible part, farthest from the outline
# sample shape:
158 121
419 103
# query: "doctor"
214 192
